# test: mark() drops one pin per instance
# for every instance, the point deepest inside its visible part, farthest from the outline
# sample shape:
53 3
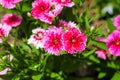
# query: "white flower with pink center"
37 38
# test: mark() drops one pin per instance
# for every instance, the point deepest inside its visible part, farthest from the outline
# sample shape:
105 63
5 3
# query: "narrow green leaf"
101 45
89 53
94 59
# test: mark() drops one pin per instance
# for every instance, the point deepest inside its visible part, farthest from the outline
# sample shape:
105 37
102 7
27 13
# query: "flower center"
12 19
38 37
117 42
73 39
55 41
42 8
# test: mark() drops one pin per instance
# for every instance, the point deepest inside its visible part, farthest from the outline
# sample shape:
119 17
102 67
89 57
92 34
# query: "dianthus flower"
10 4
117 22
12 20
66 3
53 40
4 31
113 43
101 54
37 38
45 10
66 25
74 41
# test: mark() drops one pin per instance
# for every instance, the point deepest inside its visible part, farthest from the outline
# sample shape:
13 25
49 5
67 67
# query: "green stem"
44 62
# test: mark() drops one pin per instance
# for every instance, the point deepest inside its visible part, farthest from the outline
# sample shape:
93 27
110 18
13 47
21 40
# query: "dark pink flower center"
1 33
12 19
73 40
55 41
38 37
43 7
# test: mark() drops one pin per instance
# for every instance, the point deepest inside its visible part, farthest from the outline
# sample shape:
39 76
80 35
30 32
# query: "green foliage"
116 76
110 25
30 63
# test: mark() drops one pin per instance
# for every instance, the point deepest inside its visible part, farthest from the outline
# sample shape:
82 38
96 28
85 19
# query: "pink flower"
53 40
101 54
11 20
66 25
74 41
37 38
45 10
113 43
117 22
3 72
4 31
66 3
9 3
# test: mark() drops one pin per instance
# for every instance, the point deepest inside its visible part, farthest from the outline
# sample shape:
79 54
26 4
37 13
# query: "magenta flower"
45 10
66 3
117 22
101 54
74 41
113 43
4 31
37 38
12 20
53 40
10 4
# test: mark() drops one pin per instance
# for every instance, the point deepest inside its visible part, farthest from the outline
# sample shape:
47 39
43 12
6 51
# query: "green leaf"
89 53
26 7
101 45
110 25
37 77
101 75
56 76
25 46
94 59
116 76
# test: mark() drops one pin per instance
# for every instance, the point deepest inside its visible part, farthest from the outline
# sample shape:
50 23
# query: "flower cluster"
10 4
8 21
47 10
55 39
112 41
